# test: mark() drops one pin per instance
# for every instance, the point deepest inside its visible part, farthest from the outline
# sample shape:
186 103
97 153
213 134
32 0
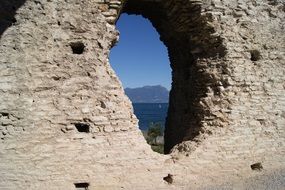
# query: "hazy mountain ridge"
148 94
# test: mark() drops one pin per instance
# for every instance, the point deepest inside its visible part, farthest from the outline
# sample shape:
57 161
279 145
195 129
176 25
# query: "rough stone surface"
227 103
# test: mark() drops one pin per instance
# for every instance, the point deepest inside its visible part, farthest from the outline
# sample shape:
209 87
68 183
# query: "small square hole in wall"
77 47
255 55
168 178
81 186
257 166
82 127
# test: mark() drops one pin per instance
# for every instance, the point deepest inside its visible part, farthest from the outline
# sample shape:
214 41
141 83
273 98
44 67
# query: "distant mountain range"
148 94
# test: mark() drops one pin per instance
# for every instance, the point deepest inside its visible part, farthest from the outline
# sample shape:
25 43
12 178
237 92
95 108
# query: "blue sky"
140 58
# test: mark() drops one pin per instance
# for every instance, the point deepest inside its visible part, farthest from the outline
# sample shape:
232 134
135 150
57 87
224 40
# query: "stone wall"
64 118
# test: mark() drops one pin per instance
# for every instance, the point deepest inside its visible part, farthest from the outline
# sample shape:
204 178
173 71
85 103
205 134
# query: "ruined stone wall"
47 90
245 119
227 101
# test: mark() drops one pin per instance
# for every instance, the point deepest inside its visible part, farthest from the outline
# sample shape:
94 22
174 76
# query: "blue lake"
149 112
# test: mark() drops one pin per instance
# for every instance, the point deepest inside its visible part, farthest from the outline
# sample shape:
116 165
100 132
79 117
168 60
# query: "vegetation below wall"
155 137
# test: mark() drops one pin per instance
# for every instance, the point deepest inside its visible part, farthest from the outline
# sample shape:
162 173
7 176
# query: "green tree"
154 130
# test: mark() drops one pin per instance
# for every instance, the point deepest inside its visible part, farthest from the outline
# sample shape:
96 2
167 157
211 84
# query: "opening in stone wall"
141 61
77 47
81 186
194 50
82 127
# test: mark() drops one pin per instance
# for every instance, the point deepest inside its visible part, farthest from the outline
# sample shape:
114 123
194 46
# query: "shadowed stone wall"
65 120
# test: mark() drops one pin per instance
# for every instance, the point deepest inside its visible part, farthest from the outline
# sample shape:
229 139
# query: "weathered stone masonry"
65 122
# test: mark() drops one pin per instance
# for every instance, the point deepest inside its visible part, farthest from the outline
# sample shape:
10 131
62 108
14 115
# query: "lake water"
148 112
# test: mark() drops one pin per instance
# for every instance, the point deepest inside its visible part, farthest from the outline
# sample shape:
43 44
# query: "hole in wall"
103 105
4 114
77 47
81 186
188 44
255 55
82 127
56 78
256 167
140 60
168 178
